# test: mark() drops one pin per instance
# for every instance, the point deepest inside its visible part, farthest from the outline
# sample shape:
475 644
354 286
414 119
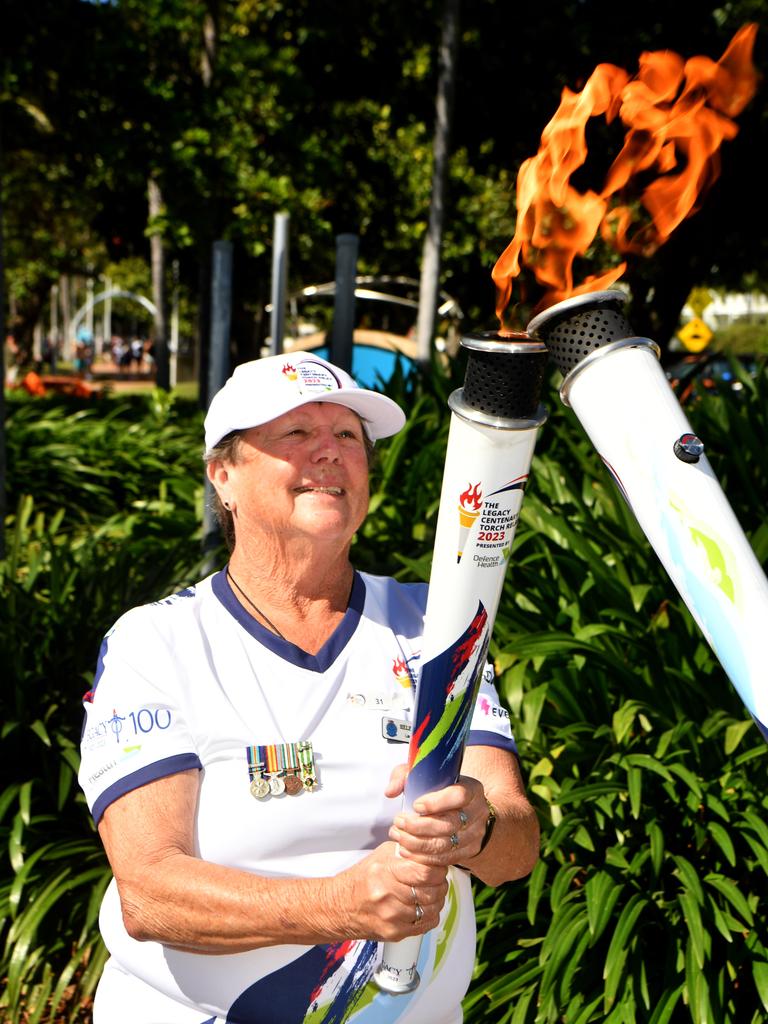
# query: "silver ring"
419 913
463 820
454 840
415 897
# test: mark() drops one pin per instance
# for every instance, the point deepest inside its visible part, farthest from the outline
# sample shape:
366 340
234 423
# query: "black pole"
3 466
344 304
218 366
221 317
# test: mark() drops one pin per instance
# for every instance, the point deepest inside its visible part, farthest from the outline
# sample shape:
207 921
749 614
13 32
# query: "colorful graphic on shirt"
446 697
402 673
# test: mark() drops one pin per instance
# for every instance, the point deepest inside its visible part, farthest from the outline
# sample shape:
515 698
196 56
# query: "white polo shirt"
193 681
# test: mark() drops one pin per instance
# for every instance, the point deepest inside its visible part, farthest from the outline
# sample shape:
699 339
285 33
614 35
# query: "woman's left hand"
445 827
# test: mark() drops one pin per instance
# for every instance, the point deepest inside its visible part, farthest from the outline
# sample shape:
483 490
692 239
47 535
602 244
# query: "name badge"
396 730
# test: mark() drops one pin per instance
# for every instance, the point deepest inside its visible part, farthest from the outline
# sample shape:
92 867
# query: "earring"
227 506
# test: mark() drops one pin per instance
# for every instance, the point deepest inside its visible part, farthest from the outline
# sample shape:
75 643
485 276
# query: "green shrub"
107 501
649 779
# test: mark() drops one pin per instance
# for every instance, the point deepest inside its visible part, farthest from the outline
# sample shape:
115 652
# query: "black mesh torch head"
503 379
576 327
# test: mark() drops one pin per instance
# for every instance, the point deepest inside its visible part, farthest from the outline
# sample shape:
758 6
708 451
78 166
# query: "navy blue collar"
330 650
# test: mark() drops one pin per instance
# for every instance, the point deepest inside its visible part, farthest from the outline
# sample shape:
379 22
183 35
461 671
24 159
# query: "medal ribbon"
282 759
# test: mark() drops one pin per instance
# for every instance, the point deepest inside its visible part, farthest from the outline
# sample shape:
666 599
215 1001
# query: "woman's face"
304 474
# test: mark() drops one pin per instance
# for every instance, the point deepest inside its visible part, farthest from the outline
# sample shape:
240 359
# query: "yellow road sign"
695 335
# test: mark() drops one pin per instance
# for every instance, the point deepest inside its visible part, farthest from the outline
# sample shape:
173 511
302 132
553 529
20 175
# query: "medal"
256 765
276 784
293 785
259 788
277 768
307 762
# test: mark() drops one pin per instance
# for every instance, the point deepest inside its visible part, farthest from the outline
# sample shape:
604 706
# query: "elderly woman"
243 749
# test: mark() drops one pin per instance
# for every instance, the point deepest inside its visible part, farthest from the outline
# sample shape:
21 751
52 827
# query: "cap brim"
381 416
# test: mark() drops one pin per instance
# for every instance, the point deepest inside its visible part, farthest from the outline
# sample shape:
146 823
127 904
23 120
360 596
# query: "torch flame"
473 497
677 114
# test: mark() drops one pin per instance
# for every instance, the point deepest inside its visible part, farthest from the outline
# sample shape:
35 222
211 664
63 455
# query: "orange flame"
677 114
472 496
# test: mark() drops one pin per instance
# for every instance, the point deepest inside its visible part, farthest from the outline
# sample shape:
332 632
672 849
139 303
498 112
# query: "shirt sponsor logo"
102 771
124 728
492 710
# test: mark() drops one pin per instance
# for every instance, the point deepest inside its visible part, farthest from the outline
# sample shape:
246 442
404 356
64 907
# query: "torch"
614 383
495 417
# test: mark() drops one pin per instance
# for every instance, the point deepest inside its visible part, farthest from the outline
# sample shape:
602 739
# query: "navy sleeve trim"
158 770
486 738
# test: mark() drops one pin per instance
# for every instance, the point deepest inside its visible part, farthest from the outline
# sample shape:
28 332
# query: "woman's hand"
387 897
445 827
448 826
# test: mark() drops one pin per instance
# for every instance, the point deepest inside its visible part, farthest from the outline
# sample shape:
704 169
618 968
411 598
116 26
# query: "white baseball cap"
264 389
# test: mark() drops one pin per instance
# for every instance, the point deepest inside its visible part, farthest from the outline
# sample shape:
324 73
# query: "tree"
430 267
240 109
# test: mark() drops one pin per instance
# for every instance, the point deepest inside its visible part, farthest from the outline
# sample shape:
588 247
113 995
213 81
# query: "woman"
243 749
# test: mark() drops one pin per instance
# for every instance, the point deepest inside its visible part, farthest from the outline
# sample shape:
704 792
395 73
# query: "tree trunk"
429 289
208 50
2 372
67 345
157 251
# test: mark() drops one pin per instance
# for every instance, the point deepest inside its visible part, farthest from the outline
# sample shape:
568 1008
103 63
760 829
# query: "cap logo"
311 376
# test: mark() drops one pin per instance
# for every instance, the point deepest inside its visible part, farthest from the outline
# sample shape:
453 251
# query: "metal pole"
218 366
174 342
279 282
89 324
54 330
106 330
68 348
221 316
343 327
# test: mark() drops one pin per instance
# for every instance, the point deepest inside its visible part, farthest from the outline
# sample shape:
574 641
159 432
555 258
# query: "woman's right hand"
377 897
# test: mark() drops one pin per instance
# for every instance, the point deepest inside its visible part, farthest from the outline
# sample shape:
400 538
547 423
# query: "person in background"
137 353
244 744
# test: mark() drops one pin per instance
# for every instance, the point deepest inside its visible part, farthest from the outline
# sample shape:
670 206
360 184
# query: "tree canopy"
242 108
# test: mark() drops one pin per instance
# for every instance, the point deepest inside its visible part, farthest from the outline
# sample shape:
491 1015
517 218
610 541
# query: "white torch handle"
633 418
485 473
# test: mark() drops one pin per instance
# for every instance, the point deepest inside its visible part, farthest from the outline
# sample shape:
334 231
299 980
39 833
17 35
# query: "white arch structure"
109 293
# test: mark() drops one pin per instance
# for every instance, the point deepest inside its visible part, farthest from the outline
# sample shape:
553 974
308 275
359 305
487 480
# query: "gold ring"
415 897
454 840
463 820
